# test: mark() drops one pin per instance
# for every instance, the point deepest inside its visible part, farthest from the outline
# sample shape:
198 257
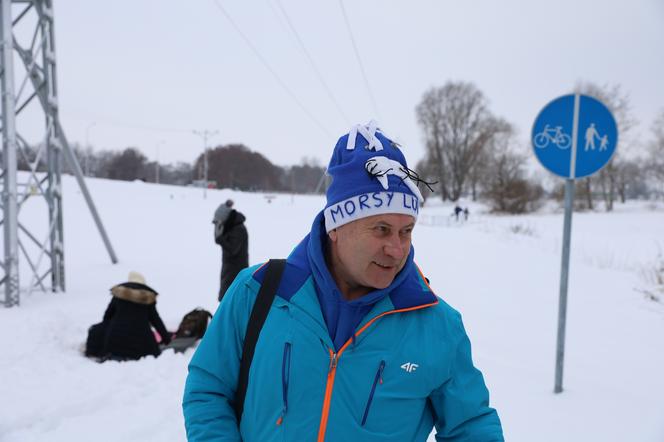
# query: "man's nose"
394 248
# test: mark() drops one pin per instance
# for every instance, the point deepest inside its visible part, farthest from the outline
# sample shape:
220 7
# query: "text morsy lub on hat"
370 176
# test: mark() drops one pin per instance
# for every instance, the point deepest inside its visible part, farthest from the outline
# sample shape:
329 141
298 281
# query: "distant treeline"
232 166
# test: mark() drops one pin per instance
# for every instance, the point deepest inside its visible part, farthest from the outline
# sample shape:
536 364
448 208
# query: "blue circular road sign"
574 136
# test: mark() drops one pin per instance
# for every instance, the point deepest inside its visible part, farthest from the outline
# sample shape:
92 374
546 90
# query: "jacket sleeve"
461 403
233 240
214 369
218 231
156 321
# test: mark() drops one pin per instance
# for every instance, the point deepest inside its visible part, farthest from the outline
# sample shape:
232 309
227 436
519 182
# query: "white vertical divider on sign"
575 134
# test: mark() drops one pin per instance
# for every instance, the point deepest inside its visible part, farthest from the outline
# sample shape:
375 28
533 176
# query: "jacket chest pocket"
285 379
395 396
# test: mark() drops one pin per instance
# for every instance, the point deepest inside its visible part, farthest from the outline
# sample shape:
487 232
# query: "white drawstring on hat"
369 134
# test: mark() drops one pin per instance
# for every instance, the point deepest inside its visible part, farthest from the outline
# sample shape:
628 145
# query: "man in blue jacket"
356 346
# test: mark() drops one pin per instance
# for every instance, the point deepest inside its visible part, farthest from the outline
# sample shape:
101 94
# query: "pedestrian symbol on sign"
591 134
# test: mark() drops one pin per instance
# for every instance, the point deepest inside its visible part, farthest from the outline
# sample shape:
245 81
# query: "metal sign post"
564 272
560 129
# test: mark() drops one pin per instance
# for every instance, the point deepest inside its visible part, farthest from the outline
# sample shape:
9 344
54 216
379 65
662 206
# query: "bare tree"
506 188
128 165
585 192
627 178
303 178
617 178
430 116
655 155
101 165
180 173
457 127
607 178
235 166
479 172
483 170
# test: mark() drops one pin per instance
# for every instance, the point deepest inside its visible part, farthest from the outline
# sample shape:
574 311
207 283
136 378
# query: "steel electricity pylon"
30 100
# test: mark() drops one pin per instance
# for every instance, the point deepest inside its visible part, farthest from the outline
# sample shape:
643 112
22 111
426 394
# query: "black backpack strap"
275 268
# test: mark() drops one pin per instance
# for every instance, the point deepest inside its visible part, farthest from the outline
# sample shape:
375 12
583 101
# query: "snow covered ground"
501 272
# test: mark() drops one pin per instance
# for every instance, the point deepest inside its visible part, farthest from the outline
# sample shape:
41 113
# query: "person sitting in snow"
126 329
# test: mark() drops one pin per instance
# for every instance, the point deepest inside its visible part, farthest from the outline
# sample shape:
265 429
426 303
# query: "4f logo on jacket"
409 367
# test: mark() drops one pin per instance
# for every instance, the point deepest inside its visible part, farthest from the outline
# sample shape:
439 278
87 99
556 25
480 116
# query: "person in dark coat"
457 211
126 329
231 234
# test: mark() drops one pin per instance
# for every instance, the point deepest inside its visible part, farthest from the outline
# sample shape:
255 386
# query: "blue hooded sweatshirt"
342 317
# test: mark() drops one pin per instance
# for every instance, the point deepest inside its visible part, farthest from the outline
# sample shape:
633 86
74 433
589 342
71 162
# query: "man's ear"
333 235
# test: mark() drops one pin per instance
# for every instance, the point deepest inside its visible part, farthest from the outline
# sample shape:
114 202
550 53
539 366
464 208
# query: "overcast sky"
146 73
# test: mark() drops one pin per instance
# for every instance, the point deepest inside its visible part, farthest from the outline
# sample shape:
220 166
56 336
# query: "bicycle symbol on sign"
553 135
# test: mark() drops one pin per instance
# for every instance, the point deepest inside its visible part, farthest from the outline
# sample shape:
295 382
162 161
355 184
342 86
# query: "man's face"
368 253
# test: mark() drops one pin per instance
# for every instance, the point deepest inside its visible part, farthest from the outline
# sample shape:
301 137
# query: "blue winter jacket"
406 369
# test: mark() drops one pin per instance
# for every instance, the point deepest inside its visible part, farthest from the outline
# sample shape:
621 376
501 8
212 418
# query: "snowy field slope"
501 272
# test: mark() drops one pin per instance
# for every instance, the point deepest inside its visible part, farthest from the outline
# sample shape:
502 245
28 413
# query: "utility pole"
205 134
87 146
156 162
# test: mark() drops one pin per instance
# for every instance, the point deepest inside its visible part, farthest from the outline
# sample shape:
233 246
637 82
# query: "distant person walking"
231 234
457 212
466 212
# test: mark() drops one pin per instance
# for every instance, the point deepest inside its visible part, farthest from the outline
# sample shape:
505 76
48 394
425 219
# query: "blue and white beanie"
370 176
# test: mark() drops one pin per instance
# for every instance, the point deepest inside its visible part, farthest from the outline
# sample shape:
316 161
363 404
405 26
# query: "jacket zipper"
377 379
285 375
334 359
331 372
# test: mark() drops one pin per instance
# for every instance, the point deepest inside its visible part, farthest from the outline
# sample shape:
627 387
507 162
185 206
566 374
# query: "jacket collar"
136 293
307 277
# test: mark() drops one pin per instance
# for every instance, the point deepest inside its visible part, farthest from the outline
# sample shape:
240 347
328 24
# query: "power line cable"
272 71
312 63
359 59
